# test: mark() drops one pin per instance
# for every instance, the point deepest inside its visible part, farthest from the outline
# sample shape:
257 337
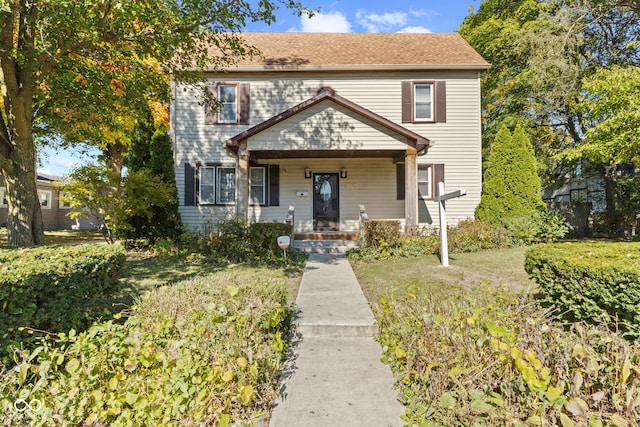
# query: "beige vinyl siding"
457 142
368 182
326 126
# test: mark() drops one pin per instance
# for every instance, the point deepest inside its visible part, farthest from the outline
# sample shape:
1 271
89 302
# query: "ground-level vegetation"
470 345
190 335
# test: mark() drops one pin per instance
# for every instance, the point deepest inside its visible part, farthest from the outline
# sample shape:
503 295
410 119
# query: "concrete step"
325 246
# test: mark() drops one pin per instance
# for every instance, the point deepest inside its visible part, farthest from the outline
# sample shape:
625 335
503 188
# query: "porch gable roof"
417 141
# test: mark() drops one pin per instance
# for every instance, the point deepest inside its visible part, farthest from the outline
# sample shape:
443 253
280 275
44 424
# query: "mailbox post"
440 198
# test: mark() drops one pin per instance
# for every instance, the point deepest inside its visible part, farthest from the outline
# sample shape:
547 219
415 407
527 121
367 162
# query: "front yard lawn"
198 344
62 237
469 346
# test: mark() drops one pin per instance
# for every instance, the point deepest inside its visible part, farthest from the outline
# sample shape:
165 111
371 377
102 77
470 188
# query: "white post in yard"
440 198
444 244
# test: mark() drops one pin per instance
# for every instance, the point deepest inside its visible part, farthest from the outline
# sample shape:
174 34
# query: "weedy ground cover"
204 351
469 346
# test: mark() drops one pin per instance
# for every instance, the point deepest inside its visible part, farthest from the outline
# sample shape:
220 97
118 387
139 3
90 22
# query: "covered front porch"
326 157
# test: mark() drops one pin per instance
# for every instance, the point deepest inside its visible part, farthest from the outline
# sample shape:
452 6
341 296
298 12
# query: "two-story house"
329 122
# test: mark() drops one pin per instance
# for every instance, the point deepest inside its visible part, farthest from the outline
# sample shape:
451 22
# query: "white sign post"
283 243
440 198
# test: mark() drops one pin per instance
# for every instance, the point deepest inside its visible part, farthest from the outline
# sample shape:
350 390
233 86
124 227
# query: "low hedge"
54 288
591 281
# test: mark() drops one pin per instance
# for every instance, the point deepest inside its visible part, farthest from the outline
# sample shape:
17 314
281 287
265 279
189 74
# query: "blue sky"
340 16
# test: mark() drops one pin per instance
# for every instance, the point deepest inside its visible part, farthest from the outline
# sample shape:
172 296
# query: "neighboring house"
329 122
54 211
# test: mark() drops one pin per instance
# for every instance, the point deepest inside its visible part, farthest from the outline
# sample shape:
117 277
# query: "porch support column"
411 191
242 182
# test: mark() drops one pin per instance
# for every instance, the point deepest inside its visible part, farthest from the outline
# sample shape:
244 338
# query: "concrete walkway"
334 376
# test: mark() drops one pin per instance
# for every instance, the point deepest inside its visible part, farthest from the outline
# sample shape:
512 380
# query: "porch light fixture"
307 173
343 173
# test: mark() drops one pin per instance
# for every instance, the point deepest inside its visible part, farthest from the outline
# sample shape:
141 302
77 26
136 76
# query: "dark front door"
325 202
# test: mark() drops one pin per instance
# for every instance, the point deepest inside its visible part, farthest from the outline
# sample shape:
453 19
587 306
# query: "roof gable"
328 94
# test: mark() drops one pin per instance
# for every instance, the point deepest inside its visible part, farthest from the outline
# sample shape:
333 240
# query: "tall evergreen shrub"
151 150
511 187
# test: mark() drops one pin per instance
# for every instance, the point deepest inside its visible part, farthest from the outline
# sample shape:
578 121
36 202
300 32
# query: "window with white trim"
45 198
423 101
63 204
257 185
217 185
3 197
228 99
425 181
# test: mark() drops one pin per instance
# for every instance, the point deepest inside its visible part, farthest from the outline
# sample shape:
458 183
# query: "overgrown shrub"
486 356
381 234
235 240
203 352
467 236
54 289
591 281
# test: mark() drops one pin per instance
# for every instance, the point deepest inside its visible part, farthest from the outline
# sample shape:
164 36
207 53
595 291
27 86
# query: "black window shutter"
210 114
407 102
274 185
190 184
441 102
400 181
244 92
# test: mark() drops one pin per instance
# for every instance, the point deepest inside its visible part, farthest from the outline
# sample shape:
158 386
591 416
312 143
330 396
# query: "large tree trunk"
17 147
24 218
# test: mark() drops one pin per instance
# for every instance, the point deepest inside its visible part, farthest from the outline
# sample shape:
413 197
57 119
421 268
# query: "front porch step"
335 246
327 235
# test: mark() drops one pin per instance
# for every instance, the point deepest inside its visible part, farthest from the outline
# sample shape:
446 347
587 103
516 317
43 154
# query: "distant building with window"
54 211
329 122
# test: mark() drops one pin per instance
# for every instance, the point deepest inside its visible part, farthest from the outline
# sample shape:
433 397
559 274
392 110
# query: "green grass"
503 267
62 237
146 272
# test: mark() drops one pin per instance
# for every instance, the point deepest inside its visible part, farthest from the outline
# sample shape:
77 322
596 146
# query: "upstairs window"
423 102
228 99
233 102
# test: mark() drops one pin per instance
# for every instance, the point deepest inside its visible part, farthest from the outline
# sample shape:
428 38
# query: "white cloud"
422 12
65 162
415 29
332 22
374 22
44 171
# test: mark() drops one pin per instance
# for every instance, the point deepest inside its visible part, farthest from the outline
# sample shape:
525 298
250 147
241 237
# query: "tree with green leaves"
511 186
97 191
543 54
74 67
